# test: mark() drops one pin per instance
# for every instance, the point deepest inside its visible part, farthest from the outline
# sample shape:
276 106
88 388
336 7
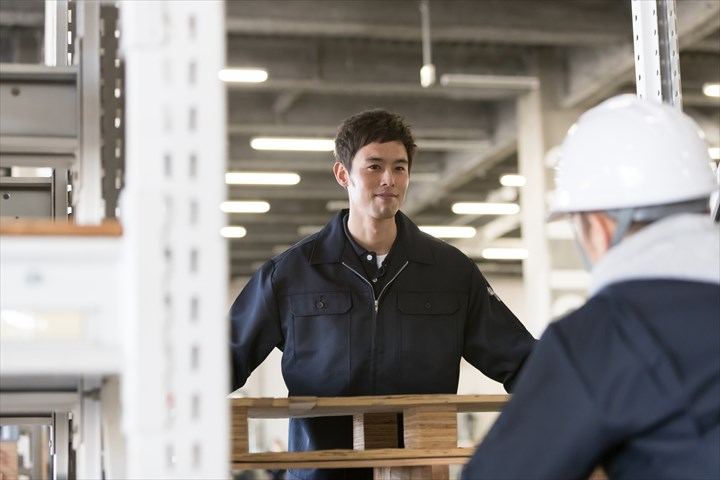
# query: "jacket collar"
331 245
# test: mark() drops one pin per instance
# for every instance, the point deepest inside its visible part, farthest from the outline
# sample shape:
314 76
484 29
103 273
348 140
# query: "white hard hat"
628 152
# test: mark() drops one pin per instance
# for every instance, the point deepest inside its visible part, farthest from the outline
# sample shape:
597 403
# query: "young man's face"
378 179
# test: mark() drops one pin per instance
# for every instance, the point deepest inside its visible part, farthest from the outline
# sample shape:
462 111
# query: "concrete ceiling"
329 59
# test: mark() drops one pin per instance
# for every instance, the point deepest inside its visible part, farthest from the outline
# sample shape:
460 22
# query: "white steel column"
56 32
536 268
175 379
87 172
657 56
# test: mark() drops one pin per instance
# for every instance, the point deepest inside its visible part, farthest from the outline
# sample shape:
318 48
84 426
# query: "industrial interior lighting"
293 144
233 232
245 207
262 178
443 231
242 75
712 89
714 153
512 180
479 208
494 253
505 82
427 75
335 205
305 230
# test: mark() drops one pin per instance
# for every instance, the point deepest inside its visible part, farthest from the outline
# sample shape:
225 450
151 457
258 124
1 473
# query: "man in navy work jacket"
370 305
630 380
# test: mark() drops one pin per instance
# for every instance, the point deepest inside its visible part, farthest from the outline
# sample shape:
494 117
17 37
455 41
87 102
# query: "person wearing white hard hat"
630 381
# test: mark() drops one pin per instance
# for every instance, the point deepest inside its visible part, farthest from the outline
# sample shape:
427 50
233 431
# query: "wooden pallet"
429 425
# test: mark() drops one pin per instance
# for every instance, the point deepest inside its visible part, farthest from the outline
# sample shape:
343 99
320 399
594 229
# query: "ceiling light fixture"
712 89
479 208
512 180
293 144
504 82
243 75
494 253
443 231
305 230
233 232
427 72
245 207
714 153
262 178
335 205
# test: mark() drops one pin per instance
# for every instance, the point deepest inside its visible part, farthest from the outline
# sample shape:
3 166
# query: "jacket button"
427 305
320 304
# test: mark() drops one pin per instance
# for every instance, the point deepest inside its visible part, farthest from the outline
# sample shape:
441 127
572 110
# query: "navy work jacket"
338 338
630 380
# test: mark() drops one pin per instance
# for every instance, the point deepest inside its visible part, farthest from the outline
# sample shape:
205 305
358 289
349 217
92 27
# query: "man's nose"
388 177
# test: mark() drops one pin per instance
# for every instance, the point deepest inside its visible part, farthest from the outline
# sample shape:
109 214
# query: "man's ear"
341 174
602 228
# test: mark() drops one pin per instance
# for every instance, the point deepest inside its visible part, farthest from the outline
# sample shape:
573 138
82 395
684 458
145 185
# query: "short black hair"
371 126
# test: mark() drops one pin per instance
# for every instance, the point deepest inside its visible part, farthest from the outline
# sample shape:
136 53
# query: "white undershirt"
380 259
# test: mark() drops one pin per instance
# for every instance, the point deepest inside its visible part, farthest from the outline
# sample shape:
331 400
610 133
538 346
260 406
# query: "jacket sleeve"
255 325
495 341
551 428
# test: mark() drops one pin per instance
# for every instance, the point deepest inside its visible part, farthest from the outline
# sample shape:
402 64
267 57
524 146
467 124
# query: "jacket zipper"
376 301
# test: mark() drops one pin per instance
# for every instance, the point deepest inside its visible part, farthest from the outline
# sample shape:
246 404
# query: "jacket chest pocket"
429 331
320 321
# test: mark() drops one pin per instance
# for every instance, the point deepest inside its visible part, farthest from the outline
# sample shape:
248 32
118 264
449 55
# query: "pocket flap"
328 303
427 303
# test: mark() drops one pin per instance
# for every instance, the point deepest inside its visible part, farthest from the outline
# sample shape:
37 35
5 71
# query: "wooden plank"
48 227
334 406
384 457
239 431
431 426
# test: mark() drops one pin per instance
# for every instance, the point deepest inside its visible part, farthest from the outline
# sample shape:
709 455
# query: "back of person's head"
633 158
372 126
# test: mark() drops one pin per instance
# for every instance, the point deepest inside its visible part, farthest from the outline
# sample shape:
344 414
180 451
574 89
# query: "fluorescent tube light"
504 82
714 153
262 178
293 144
242 75
305 230
505 253
443 231
512 180
335 205
233 232
712 89
245 207
479 208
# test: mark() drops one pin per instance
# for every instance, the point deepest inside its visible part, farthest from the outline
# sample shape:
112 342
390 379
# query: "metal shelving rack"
113 331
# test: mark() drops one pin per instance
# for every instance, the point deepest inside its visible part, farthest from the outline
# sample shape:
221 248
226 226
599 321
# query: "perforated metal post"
87 172
657 56
175 378
111 100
